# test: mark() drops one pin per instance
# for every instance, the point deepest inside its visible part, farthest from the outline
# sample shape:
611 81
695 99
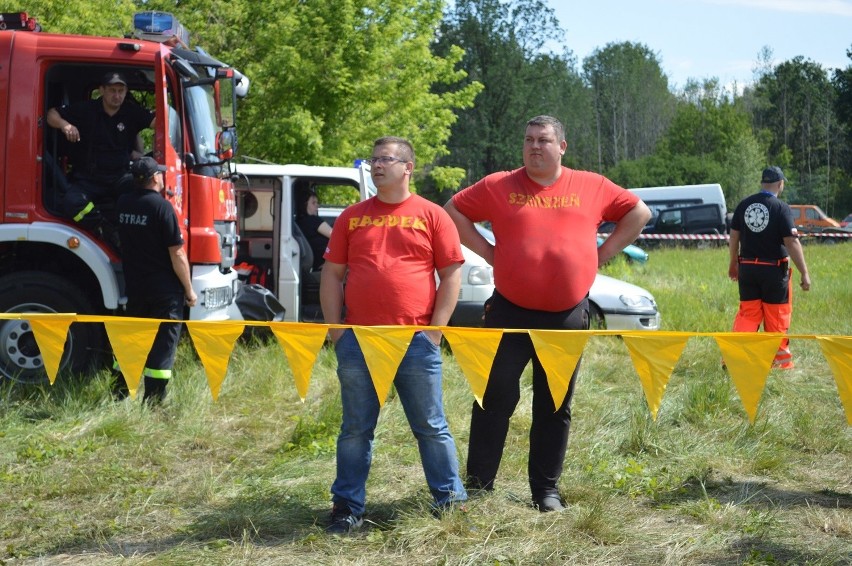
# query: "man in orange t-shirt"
388 248
545 218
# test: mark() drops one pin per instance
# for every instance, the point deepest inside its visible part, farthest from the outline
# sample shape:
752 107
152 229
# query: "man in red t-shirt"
545 219
388 248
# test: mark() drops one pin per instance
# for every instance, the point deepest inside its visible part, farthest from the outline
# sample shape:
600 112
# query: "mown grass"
86 480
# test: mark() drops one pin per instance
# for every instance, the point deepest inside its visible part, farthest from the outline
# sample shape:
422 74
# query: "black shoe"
548 503
120 392
343 521
119 388
475 487
155 391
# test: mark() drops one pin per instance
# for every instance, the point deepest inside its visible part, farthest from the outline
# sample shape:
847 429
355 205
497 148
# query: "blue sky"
712 38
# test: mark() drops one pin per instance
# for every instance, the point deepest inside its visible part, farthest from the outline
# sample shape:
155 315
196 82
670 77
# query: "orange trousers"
774 317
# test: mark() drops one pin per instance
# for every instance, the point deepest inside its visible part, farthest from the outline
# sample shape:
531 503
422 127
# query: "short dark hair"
406 150
545 120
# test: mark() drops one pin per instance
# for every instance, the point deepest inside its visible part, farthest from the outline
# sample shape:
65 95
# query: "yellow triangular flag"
214 342
474 350
383 348
559 351
654 357
748 357
301 344
131 341
838 352
50 335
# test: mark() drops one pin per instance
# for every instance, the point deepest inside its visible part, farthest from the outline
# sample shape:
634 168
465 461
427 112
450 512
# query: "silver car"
619 305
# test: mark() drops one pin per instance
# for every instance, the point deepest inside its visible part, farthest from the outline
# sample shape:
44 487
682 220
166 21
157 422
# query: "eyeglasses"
385 160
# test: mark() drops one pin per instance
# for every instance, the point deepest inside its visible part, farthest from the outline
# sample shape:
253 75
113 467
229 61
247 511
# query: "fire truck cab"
50 264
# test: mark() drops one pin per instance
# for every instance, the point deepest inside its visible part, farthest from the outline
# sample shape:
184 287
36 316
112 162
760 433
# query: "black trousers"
90 200
168 306
489 424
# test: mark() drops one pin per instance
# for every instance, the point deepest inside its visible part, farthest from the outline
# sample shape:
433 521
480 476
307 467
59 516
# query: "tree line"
460 80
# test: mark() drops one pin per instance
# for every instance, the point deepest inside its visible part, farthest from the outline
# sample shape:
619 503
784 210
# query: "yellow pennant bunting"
131 341
474 350
383 348
559 351
748 357
214 342
654 358
50 333
838 352
301 343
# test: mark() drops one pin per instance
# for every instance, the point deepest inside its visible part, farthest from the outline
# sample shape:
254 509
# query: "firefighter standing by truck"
762 242
156 268
103 134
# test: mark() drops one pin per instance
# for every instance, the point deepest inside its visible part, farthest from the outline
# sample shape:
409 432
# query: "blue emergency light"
161 27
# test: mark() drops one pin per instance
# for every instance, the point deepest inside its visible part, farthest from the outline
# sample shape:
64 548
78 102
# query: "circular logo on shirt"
757 217
120 126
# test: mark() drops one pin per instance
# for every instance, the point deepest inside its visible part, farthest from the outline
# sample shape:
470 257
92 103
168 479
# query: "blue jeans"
418 385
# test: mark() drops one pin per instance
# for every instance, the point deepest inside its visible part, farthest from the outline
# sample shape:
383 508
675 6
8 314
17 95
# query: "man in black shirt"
763 240
156 269
103 134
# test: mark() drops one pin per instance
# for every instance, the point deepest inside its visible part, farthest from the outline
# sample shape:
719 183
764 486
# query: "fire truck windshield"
208 120
210 101
201 112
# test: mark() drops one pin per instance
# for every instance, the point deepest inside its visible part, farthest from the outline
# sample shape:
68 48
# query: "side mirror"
242 84
226 144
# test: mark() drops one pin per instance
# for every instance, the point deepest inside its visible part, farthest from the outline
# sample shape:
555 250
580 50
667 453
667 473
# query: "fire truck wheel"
20 358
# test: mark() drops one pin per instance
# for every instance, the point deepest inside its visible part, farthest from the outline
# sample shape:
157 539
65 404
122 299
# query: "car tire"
38 292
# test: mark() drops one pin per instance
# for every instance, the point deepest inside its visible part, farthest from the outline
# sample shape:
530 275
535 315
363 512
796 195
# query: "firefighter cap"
112 78
144 168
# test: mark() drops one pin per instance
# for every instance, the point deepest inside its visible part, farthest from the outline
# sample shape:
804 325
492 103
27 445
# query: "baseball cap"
113 78
772 175
144 168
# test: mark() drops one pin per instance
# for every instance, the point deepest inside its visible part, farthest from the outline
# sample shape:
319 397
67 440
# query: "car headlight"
638 302
480 275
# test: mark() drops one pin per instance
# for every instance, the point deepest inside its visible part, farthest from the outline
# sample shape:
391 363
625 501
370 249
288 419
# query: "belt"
760 261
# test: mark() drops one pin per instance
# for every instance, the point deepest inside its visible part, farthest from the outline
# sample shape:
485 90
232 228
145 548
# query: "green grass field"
245 480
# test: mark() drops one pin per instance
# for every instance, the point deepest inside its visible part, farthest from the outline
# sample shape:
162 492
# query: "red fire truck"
49 264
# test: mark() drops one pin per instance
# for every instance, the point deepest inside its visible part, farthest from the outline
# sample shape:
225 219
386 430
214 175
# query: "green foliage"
111 18
798 109
331 77
502 44
632 103
665 169
709 141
